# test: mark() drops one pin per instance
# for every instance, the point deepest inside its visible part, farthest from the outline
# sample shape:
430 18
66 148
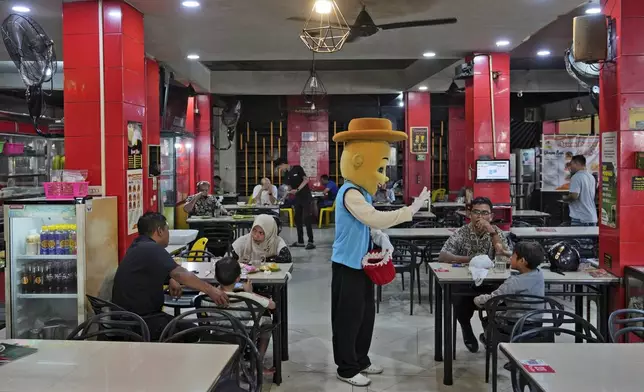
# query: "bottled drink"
25 280
72 272
58 238
50 241
66 277
49 281
58 276
44 240
72 239
38 279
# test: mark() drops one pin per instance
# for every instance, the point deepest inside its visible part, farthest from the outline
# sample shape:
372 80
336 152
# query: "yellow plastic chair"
438 194
198 246
291 219
325 213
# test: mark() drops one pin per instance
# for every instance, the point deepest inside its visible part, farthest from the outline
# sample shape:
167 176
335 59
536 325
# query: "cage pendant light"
326 30
313 88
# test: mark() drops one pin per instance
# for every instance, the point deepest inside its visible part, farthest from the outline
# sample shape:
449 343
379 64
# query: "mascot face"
364 163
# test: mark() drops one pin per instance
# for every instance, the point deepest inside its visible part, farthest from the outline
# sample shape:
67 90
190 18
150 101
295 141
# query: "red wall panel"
317 131
417 174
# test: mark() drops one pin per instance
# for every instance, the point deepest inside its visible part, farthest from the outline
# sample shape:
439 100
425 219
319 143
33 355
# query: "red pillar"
203 139
417 174
308 134
622 89
478 115
124 95
457 161
152 131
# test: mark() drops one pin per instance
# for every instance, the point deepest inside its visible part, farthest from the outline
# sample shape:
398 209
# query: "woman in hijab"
262 242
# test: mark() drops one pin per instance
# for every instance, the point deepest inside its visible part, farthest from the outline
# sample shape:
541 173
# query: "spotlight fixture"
21 9
323 7
422 88
503 42
325 30
579 108
190 4
429 54
543 53
192 56
593 10
401 104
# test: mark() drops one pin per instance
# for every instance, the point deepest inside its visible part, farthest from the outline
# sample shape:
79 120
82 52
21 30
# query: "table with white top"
559 232
175 249
615 367
454 280
242 225
522 215
278 284
66 366
448 204
260 208
424 215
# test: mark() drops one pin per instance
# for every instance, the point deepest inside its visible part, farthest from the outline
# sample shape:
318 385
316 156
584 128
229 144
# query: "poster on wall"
419 140
134 145
134 199
557 151
609 179
309 159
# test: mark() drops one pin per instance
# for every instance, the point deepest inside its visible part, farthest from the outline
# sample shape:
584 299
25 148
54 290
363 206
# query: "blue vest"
352 237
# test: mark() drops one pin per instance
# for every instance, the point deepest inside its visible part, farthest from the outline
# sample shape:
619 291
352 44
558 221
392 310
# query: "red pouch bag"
378 266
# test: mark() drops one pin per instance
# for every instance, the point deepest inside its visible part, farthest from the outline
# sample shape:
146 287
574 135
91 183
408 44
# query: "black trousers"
158 321
353 313
464 306
303 216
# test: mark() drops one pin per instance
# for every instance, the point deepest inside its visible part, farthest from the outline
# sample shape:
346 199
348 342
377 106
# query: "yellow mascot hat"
370 129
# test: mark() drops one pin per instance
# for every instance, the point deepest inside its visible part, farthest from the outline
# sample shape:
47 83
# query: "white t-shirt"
265 199
263 301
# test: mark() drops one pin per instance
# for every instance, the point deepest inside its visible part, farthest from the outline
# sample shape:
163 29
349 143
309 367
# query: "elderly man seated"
265 193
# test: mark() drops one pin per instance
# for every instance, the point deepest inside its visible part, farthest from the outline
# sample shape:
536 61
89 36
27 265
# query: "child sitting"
526 258
228 274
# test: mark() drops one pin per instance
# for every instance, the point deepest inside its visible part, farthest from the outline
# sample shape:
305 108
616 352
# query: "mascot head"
366 151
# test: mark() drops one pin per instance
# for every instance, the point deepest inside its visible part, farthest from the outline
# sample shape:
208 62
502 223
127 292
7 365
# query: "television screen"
492 170
174 115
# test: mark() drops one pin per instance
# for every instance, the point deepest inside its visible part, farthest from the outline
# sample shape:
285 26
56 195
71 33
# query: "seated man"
265 193
479 237
384 195
330 191
203 204
217 189
146 267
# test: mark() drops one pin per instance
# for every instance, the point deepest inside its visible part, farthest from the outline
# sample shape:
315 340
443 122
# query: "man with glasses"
479 237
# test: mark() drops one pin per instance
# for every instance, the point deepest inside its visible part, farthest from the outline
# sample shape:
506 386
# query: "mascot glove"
382 240
420 200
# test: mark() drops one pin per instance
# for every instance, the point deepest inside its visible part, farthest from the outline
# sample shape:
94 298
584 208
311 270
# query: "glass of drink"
499 267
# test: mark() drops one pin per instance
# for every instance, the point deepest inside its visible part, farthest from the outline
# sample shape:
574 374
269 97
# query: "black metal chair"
215 326
501 314
523 331
405 259
220 238
629 321
520 223
119 325
101 306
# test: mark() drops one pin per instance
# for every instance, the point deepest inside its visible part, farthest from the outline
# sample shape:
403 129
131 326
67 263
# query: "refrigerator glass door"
166 180
42 270
183 146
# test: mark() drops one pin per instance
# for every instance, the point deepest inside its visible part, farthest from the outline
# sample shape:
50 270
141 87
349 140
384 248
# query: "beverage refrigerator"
174 182
57 252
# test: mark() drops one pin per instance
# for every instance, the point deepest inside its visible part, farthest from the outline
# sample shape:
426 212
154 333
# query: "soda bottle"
58 238
72 273
51 248
25 280
58 276
31 269
49 282
72 239
66 277
64 240
38 279
44 241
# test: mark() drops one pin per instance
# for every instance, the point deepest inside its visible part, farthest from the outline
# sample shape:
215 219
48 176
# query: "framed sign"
419 140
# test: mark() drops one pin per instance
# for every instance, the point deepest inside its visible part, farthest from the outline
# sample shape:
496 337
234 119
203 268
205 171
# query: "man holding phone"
202 203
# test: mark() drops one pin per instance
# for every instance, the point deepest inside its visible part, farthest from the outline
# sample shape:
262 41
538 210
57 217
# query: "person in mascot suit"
358 225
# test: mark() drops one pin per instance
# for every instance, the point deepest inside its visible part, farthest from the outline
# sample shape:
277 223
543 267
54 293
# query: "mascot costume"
356 264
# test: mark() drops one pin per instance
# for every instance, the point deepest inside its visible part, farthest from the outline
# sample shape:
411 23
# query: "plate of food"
250 269
270 267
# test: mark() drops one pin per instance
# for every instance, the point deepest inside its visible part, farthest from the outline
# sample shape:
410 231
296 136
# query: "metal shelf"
23 175
48 296
25 155
47 257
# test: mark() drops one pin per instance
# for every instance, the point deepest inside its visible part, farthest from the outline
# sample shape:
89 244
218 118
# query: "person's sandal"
310 246
297 245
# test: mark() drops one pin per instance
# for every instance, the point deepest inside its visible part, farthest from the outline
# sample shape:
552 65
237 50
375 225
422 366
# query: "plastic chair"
502 313
120 324
438 194
291 216
630 324
326 213
198 246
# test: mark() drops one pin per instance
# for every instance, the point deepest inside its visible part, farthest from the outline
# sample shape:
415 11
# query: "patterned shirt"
465 242
205 206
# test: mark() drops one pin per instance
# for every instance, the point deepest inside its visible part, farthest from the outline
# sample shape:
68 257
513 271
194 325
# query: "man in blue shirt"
583 211
330 191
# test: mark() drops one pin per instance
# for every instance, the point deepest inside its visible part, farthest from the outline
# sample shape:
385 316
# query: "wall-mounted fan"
35 57
364 26
229 119
587 75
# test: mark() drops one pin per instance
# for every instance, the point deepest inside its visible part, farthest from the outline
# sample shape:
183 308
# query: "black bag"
563 257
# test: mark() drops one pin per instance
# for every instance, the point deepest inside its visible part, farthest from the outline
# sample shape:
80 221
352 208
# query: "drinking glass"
500 267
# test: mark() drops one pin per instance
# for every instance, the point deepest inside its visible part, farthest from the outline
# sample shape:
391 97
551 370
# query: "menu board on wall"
134 199
609 179
309 159
419 140
134 145
557 151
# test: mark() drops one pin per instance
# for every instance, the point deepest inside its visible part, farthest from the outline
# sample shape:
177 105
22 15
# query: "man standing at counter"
583 186
146 267
297 180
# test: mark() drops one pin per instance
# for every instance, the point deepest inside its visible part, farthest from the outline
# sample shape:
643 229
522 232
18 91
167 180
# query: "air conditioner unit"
464 71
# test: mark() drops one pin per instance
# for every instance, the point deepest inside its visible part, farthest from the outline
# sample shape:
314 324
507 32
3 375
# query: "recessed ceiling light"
192 57
401 104
594 10
422 88
323 6
20 8
502 42
190 4
543 53
429 54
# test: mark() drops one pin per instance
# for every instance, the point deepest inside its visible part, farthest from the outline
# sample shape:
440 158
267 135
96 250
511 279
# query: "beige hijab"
248 250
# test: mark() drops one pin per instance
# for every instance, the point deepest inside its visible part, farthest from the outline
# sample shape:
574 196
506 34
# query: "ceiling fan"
364 26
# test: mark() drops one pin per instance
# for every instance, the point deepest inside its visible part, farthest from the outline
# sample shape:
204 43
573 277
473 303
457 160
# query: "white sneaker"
373 369
358 380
